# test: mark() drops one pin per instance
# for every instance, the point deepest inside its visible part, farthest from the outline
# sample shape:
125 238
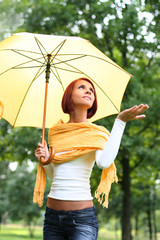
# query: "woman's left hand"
133 113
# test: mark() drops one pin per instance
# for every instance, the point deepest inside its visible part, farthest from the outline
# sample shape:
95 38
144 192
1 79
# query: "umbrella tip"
1 109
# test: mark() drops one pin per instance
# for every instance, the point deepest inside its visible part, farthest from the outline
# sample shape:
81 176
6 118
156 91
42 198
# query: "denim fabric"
70 225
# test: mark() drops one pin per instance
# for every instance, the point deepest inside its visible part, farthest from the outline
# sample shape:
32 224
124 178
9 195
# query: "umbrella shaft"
44 113
45 99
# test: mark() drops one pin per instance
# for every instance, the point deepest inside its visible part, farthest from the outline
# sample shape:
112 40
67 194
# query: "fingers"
41 151
140 117
133 113
139 110
142 107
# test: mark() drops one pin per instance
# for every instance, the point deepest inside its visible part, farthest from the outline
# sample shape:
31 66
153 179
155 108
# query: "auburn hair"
66 99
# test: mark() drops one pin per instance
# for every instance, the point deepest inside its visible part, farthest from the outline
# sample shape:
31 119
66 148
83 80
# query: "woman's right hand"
42 151
133 113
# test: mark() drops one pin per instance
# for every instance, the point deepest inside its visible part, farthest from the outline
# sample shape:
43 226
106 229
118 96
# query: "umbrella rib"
67 70
110 63
105 61
68 60
86 55
35 77
73 67
61 45
66 64
21 50
103 92
17 67
57 77
39 43
33 59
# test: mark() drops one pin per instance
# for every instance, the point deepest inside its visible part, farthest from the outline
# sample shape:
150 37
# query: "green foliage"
18 144
19 196
20 183
3 186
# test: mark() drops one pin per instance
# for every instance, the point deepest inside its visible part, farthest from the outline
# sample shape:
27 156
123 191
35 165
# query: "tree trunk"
149 223
126 212
136 224
116 228
155 226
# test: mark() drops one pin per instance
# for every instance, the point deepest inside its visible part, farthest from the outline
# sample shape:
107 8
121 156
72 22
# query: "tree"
20 184
9 18
3 186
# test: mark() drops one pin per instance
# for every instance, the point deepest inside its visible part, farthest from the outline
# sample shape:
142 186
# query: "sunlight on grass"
15 232
105 234
19 232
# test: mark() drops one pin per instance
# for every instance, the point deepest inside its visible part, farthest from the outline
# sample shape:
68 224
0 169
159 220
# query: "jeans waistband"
61 212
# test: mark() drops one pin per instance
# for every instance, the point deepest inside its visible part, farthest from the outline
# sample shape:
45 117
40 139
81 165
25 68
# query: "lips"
87 97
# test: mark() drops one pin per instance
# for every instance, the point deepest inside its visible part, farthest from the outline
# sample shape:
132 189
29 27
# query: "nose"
88 91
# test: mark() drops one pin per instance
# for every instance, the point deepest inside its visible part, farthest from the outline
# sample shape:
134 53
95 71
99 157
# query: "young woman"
70 213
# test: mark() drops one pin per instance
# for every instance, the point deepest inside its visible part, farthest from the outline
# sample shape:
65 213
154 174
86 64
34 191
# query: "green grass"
19 232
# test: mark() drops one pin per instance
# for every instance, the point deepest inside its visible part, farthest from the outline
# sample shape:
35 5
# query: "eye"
92 90
81 86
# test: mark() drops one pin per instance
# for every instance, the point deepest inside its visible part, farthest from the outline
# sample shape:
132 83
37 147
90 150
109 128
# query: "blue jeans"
70 225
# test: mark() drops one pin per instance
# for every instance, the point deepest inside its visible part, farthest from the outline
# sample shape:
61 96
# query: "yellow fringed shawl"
77 139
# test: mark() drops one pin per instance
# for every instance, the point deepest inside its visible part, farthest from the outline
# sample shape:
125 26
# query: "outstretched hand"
133 113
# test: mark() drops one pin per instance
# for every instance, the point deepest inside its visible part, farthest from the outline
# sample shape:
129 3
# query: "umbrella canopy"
24 60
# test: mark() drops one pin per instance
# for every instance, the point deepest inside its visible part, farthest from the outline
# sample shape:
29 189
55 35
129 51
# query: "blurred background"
129 33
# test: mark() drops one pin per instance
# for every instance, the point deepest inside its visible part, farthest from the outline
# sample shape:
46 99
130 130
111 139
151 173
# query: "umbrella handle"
42 160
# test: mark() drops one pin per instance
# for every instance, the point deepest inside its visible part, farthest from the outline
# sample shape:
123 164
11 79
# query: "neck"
78 116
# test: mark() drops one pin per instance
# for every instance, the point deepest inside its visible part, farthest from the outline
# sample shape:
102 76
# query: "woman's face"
82 95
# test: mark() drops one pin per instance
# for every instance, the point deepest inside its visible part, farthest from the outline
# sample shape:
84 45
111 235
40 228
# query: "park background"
129 33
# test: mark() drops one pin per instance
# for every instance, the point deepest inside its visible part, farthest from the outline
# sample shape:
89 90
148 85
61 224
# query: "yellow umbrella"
30 61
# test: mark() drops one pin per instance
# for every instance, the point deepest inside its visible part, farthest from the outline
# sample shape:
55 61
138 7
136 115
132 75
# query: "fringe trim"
108 177
39 186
